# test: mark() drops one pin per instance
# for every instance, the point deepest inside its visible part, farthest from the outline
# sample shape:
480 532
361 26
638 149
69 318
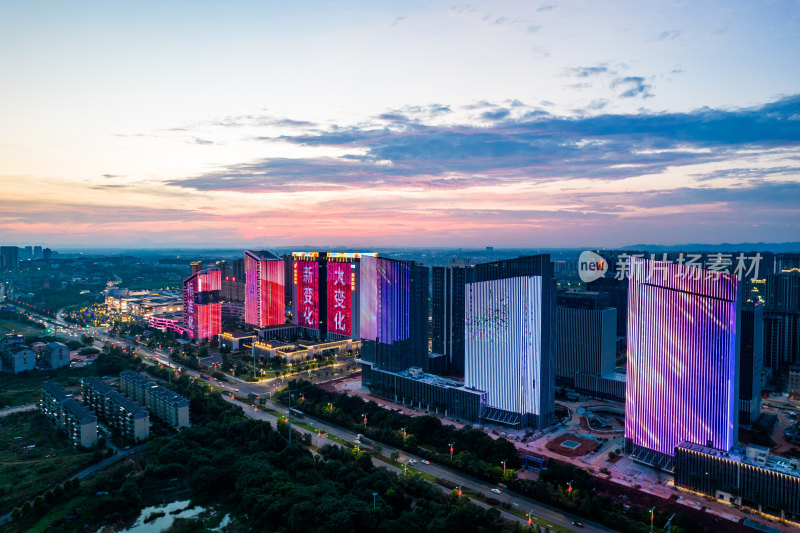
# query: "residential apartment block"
121 413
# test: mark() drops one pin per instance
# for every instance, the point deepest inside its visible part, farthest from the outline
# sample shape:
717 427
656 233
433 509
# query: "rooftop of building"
239 335
135 408
55 390
17 348
54 344
79 411
417 374
264 255
616 376
737 454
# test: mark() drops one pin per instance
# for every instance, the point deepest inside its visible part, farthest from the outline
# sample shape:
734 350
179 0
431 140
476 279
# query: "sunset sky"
511 124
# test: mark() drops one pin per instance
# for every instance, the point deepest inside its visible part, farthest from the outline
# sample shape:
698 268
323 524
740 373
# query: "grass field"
24 472
12 326
27 388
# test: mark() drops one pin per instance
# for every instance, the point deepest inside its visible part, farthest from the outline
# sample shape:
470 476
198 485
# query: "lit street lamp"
364 416
451 451
373 500
504 466
404 435
652 518
570 485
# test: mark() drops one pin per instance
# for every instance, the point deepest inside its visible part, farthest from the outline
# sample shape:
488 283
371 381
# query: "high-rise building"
325 293
202 310
587 333
510 339
782 320
394 313
447 317
264 289
683 357
26 253
751 357
9 257
47 254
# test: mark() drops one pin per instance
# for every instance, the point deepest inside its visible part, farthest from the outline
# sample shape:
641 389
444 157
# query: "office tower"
196 266
394 313
26 253
264 289
325 293
683 357
47 254
202 311
782 320
751 357
447 317
510 339
37 252
586 334
9 257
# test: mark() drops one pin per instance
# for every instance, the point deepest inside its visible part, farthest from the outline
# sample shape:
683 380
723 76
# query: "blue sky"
418 123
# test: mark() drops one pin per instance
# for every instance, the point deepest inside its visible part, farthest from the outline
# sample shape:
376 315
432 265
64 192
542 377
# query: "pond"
160 517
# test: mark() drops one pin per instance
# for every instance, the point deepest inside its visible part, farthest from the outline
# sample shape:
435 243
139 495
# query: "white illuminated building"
503 349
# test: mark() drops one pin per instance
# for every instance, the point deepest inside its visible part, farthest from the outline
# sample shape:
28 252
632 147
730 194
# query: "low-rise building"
69 415
122 414
18 358
236 340
163 403
748 477
434 394
794 380
56 355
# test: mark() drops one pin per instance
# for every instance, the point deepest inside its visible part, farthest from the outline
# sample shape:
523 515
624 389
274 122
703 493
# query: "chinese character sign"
307 274
338 284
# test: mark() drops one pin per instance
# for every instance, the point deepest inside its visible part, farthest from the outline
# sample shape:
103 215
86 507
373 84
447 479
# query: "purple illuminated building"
394 314
683 356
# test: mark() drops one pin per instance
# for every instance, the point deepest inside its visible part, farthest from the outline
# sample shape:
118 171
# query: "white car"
496 491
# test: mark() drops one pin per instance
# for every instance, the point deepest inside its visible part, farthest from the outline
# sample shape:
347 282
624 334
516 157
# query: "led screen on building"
503 342
385 299
251 292
339 288
681 371
306 275
202 309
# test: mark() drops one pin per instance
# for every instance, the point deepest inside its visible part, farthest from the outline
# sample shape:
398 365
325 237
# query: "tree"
378 449
395 456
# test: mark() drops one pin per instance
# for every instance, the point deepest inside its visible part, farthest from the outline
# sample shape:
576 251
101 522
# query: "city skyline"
428 124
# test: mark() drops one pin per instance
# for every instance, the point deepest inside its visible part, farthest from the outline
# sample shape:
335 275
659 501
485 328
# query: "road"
550 514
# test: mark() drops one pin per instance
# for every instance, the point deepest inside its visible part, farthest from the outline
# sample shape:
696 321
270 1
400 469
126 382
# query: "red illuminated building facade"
325 293
264 300
202 310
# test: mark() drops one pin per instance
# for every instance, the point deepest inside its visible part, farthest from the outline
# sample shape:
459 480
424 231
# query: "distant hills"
775 247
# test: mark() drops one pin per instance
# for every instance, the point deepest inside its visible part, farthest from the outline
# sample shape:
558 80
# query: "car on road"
237 390
496 491
576 523
426 462
412 461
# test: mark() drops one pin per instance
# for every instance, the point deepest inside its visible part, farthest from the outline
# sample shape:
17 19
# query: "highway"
550 514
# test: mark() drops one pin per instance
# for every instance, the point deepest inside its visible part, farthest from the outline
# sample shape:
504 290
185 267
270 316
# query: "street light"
529 514
373 500
570 485
460 492
652 518
504 466
451 451
364 416
404 435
